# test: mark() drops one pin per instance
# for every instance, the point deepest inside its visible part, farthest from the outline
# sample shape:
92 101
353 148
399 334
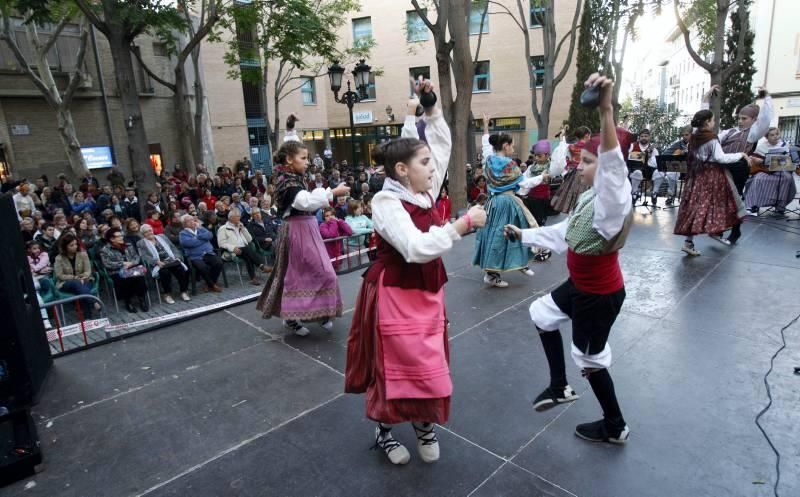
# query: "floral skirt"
710 203
565 198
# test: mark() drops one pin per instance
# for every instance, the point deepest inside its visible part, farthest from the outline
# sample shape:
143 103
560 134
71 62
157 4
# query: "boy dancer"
593 294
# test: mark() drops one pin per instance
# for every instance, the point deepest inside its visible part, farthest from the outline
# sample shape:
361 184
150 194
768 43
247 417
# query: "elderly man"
234 239
23 201
196 243
263 232
162 257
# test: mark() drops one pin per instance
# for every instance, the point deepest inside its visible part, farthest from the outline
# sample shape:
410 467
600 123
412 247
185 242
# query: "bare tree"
716 68
552 51
190 123
38 70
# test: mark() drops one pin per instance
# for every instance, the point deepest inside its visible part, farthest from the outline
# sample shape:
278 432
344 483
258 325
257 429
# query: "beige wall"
510 95
225 107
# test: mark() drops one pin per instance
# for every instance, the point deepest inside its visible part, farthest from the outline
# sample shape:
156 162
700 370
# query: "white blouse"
612 205
312 201
393 223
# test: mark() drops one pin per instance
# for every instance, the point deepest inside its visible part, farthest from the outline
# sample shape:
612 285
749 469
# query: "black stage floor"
229 405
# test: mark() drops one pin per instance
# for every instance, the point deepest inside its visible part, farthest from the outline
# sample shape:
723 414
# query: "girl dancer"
710 203
303 284
567 194
493 252
397 350
593 294
544 167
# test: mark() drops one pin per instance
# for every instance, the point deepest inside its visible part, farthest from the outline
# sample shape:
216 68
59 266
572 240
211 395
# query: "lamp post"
350 97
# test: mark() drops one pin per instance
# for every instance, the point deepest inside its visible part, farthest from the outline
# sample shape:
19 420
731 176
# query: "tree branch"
172 86
89 13
213 17
422 15
508 12
688 42
480 33
54 37
76 76
24 65
744 27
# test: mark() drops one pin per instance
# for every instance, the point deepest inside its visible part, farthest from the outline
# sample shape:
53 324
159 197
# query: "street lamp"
350 97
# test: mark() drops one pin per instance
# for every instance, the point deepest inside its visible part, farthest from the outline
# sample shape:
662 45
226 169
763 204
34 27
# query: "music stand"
673 164
647 175
778 163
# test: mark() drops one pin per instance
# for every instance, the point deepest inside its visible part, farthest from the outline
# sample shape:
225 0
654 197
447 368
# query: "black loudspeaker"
24 352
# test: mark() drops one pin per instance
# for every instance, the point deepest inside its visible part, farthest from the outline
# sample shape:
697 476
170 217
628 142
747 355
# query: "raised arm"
439 140
760 127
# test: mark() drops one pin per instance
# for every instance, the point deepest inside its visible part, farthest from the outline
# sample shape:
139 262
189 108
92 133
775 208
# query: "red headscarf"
624 137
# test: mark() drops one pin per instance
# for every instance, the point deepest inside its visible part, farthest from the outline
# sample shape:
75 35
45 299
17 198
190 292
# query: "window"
415 72
309 92
475 14
538 69
416 30
362 29
480 82
371 87
537 13
500 124
62 57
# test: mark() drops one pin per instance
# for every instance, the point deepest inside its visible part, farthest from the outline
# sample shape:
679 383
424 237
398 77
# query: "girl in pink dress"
397 350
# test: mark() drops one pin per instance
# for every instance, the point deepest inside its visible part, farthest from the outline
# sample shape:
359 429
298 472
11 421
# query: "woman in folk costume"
593 295
753 125
710 202
397 351
493 252
770 188
567 194
545 166
303 284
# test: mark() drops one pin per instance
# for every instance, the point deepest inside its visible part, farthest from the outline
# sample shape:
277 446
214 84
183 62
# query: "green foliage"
588 59
300 33
647 113
737 90
702 14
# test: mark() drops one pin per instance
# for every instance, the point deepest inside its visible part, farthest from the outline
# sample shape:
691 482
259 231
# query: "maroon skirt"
709 204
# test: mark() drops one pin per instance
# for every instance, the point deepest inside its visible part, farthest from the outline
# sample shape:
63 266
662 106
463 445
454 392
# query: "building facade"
403 48
29 141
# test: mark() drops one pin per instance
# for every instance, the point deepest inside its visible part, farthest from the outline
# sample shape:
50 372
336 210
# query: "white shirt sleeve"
312 201
392 222
291 136
486 148
717 155
558 159
409 129
440 142
652 160
760 127
528 183
612 193
550 237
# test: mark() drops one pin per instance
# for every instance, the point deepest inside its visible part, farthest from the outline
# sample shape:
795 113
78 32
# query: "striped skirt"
775 189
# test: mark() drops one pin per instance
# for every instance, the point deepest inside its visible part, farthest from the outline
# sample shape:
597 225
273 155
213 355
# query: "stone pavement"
229 405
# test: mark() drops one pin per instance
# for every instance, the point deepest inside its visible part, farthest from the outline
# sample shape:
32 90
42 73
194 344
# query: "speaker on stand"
25 356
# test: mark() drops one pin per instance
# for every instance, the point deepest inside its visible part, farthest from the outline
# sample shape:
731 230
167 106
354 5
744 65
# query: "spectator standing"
23 200
359 224
332 227
341 207
115 177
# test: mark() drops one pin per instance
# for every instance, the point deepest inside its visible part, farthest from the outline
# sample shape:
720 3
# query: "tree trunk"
69 139
199 107
276 127
138 150
184 120
463 72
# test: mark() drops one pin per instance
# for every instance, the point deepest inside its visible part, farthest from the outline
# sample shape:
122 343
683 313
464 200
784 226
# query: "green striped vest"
582 238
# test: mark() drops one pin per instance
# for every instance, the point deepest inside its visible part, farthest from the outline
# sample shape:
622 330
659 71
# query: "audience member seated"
86 234
123 264
47 240
154 221
39 263
132 235
161 257
233 238
263 233
73 270
195 241
173 229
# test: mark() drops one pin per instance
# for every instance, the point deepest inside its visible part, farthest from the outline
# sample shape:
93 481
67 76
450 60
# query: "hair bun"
493 140
695 123
379 155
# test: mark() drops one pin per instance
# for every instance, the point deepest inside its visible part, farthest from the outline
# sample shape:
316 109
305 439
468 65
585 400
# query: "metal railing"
352 256
54 313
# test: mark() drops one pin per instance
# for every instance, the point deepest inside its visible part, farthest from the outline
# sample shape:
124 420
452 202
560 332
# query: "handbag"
133 272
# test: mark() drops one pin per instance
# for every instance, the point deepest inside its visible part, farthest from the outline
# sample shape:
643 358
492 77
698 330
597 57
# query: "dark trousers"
127 288
538 207
75 287
251 260
209 267
166 274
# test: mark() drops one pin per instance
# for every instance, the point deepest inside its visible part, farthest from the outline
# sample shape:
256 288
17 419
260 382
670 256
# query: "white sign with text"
362 117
